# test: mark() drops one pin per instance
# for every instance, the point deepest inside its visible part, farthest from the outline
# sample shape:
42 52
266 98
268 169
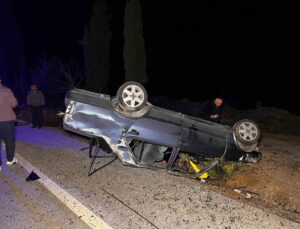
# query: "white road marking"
85 214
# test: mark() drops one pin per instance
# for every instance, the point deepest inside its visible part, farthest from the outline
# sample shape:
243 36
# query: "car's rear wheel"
132 96
247 132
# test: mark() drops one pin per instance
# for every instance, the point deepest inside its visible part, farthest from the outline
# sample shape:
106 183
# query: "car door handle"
134 132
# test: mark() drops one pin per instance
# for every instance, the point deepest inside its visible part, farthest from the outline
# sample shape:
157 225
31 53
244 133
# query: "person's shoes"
33 127
40 127
13 162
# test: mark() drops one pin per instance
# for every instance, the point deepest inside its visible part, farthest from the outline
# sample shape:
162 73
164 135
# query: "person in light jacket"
36 102
7 123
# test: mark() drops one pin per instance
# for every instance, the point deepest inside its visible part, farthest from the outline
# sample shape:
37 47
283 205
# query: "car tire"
246 132
132 96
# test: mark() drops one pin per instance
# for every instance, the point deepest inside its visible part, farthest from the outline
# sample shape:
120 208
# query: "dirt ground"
274 182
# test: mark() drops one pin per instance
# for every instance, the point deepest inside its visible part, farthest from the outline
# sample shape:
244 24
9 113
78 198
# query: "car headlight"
70 107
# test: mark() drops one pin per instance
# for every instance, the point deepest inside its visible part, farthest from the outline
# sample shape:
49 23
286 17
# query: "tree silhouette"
13 67
55 76
96 47
134 47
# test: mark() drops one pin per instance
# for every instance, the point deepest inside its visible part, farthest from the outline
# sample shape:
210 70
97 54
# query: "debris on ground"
32 177
243 192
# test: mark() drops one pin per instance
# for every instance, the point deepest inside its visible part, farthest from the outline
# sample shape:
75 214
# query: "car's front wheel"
132 96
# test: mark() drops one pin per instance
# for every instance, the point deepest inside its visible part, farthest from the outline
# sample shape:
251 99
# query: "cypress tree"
134 47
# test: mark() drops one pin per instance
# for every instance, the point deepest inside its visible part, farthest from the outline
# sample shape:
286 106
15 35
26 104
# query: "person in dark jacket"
36 101
7 123
211 110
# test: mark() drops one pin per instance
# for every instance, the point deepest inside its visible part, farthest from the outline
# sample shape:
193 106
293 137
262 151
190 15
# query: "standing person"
211 110
7 123
36 101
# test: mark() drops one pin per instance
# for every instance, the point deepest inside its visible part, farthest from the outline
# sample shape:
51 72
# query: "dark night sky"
242 48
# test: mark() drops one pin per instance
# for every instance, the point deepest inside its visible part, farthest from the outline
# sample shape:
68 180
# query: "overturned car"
141 134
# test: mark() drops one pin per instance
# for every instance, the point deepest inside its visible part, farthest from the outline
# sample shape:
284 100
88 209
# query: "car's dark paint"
93 114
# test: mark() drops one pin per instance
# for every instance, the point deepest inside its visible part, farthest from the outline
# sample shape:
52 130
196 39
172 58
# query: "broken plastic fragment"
243 192
252 157
202 176
32 176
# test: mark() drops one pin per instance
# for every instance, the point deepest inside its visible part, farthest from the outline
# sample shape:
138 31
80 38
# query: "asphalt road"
123 197
28 204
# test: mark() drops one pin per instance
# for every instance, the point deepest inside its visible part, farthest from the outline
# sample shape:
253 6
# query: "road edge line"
85 214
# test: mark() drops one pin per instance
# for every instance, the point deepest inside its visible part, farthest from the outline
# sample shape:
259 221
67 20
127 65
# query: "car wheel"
132 96
246 132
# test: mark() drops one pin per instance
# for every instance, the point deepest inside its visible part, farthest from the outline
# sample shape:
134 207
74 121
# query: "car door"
159 126
202 137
